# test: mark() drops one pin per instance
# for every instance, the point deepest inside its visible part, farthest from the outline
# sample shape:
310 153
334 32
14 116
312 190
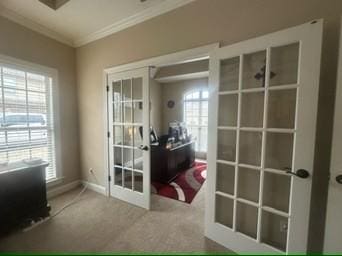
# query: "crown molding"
166 6
153 11
13 16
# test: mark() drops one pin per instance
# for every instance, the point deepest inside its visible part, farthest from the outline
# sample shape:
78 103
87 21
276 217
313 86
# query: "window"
26 117
196 117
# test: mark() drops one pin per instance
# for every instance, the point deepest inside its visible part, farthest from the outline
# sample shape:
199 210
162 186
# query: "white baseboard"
62 189
97 188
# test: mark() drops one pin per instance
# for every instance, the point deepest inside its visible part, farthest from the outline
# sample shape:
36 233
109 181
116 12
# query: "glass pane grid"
263 125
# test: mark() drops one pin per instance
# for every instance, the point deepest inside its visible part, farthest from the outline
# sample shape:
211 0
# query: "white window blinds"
26 118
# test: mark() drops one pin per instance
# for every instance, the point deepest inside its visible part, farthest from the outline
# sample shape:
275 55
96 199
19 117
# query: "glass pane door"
262 102
130 162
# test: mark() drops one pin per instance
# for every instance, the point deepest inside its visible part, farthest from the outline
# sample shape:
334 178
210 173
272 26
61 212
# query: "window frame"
26 66
199 100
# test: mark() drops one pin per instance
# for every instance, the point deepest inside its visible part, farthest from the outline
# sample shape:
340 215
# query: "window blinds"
26 118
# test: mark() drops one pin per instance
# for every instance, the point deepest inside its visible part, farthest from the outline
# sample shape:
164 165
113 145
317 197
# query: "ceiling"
78 22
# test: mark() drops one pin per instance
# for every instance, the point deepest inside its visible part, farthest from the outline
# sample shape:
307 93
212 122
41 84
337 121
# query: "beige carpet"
100 224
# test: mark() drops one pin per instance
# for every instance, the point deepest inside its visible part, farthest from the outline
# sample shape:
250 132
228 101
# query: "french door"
333 227
129 140
263 106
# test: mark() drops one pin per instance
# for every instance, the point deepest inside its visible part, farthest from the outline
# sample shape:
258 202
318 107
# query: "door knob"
145 148
339 179
301 173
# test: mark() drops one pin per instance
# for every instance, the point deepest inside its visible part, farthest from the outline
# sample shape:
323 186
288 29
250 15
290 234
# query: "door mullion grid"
237 142
123 134
132 121
263 144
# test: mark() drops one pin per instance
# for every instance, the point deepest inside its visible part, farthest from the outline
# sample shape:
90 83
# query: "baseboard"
95 187
62 189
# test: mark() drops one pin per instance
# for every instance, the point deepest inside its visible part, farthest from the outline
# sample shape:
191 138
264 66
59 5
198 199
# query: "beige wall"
22 43
175 91
199 23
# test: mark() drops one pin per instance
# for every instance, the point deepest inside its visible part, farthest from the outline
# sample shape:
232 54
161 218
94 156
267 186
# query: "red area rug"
185 186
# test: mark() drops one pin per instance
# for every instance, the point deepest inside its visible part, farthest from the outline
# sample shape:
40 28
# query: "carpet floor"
185 186
102 224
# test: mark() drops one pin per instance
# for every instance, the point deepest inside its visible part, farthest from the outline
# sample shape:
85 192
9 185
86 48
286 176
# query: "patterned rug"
185 186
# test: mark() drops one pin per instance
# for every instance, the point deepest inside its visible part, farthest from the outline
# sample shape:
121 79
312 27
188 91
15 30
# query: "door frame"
193 54
336 145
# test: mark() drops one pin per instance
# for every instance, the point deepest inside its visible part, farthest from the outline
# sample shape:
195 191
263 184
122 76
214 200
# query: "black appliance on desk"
171 153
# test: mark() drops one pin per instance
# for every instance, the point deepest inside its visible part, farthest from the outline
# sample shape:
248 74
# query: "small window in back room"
196 117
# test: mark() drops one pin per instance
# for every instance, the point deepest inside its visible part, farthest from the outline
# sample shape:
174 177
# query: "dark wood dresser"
166 163
22 194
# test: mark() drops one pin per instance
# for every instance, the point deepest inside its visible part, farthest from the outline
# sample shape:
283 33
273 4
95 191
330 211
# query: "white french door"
263 107
333 227
129 154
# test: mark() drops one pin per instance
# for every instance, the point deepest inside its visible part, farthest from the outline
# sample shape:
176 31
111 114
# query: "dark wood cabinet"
166 163
22 195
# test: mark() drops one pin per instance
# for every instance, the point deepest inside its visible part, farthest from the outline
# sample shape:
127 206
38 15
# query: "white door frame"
333 223
184 56
310 35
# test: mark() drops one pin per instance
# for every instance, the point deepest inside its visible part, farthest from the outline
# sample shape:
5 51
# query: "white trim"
153 11
28 23
94 187
182 77
198 53
62 189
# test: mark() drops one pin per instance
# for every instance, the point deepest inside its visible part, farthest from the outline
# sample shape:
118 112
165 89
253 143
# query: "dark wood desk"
166 164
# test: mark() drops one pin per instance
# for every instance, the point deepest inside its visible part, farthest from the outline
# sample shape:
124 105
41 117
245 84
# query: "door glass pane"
118 176
137 136
225 178
279 148
226 145
137 88
137 112
118 156
127 112
138 182
248 184
284 64
126 90
282 108
128 135
229 74
254 65
277 191
117 91
228 106
224 211
117 137
127 157
250 148
128 178
274 230
117 112
247 219
252 109
138 159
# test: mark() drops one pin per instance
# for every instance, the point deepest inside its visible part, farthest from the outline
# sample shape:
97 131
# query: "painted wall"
175 91
25 44
199 23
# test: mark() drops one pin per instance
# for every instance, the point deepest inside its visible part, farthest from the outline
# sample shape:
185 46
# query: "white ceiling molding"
149 13
13 16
